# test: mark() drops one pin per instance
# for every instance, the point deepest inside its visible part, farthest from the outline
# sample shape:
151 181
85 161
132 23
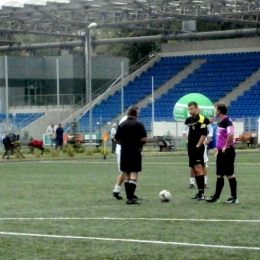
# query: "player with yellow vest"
197 125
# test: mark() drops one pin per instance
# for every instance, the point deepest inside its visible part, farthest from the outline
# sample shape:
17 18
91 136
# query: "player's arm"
210 134
117 137
203 136
230 135
143 140
185 130
117 141
201 141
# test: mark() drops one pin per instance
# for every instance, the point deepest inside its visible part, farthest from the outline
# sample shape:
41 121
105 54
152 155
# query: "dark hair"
132 111
222 108
193 103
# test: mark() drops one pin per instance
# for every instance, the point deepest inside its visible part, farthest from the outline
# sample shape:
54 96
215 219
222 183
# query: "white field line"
126 240
144 163
143 219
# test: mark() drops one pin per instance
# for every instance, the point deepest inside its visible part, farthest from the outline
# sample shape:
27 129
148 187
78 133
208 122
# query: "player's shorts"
131 161
196 156
225 162
211 145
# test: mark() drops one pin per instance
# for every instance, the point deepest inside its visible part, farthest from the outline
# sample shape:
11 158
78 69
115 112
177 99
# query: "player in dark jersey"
131 134
197 134
225 156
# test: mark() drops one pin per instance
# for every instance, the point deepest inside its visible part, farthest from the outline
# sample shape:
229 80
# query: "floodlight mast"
89 76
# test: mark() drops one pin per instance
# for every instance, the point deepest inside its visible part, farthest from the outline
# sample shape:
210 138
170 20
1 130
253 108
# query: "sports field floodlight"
89 77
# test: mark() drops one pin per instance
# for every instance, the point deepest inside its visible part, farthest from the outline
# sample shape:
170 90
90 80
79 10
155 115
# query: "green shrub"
70 150
37 153
54 153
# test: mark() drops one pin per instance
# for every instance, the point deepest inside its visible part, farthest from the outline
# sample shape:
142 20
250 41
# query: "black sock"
219 186
200 183
132 187
127 188
233 187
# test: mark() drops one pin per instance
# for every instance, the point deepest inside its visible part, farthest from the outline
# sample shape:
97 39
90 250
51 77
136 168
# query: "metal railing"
46 100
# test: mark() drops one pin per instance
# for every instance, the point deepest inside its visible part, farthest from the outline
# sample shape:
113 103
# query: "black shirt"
59 133
130 132
197 128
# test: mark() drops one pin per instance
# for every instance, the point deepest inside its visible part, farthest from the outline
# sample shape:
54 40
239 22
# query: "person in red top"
37 144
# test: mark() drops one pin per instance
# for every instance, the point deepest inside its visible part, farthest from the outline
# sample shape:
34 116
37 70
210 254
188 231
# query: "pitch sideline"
139 219
127 240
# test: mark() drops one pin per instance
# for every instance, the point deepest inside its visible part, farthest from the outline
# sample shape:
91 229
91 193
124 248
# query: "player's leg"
220 172
230 158
120 180
135 166
191 165
131 198
192 179
113 145
198 169
205 170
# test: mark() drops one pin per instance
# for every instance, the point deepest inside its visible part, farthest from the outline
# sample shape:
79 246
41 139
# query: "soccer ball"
165 196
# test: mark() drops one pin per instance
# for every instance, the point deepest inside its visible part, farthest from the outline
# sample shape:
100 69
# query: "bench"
246 140
162 143
95 142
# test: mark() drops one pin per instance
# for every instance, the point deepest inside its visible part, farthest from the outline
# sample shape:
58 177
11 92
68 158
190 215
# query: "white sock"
192 181
117 188
206 179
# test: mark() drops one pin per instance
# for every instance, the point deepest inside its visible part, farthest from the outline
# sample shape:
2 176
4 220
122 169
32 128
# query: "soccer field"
64 209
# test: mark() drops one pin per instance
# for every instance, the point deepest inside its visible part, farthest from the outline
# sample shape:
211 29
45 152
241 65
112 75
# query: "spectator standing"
112 134
59 137
51 132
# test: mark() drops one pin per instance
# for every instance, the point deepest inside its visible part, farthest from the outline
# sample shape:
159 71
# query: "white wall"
210 46
175 128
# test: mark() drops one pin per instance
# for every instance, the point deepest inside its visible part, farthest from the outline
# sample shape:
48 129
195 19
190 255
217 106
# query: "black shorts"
225 162
196 156
131 161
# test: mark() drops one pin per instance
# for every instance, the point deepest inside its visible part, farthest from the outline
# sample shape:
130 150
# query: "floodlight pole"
122 88
89 77
6 91
152 132
58 88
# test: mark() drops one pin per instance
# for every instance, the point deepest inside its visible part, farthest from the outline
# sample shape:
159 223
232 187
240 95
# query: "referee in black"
131 134
198 131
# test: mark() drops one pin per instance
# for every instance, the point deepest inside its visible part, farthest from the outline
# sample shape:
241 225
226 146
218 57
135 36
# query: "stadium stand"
3 117
217 76
23 119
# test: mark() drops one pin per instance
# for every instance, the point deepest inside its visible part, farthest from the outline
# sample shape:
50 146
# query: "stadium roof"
72 17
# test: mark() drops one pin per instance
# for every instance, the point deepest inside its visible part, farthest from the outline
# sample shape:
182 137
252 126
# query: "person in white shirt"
112 135
121 177
51 132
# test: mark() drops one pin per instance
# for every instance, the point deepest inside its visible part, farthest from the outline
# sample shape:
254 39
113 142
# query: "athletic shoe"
132 201
136 198
117 195
212 199
191 186
195 197
200 197
231 200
